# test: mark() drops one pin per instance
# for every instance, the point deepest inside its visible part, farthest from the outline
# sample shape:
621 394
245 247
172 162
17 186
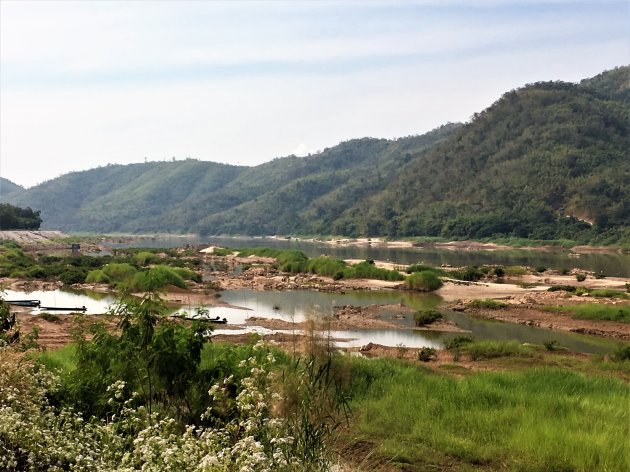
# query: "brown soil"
58 333
529 310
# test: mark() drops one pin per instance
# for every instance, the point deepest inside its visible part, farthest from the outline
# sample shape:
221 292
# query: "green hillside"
7 188
547 161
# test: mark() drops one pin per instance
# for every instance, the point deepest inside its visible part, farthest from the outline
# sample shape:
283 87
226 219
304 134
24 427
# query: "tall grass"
595 311
539 419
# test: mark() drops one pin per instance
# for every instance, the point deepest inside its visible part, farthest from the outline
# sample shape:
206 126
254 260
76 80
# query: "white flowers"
36 436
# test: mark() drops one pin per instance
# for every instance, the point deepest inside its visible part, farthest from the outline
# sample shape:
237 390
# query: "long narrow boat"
215 320
59 308
28 303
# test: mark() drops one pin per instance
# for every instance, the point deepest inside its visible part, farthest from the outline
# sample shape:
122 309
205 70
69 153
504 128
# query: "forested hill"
549 160
199 196
7 187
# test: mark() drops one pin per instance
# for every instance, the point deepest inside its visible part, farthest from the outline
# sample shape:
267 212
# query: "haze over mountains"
549 160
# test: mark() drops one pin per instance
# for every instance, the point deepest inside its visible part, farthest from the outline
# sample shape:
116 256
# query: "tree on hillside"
13 217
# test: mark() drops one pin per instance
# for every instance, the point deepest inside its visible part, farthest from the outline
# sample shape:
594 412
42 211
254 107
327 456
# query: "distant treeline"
13 217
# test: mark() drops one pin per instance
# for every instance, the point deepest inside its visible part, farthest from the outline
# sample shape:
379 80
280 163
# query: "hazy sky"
87 83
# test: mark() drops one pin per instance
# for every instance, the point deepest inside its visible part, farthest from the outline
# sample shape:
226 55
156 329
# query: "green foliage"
426 354
531 420
97 277
487 349
595 311
145 258
457 342
606 293
622 354
425 281
153 355
515 271
427 316
153 279
580 277
487 303
13 217
470 274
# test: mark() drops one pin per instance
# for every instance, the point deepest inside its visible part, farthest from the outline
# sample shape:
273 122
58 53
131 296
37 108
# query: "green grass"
487 303
607 293
533 420
595 311
488 349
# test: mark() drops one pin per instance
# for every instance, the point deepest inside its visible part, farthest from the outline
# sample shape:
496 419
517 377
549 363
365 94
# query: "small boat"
28 303
59 308
216 319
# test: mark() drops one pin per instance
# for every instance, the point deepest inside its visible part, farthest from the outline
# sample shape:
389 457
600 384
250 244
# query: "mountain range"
546 161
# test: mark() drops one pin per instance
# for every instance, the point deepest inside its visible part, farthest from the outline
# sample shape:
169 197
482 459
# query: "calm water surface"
298 305
611 264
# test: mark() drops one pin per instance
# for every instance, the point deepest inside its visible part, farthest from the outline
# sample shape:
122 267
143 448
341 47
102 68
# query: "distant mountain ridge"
533 164
7 188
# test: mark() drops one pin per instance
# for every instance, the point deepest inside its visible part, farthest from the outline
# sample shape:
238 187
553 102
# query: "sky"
89 83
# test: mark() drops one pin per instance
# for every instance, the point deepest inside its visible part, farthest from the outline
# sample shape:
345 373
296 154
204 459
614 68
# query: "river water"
611 264
298 305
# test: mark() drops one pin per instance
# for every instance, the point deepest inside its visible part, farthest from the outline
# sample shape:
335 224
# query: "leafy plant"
426 281
426 316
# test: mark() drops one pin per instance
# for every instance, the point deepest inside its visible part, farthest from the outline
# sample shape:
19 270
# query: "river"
611 264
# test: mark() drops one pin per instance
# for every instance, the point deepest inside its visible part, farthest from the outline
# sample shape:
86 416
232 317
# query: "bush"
562 288
425 317
457 342
580 277
492 349
426 354
468 274
515 271
425 281
499 272
487 303
540 269
97 277
154 279
145 258
74 275
622 354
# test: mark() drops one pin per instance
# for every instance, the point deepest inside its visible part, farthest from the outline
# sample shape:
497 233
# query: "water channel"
611 264
298 305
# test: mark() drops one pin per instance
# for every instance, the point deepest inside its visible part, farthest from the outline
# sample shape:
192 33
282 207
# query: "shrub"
426 281
562 288
622 354
457 342
144 258
50 317
499 272
73 275
580 277
97 277
426 354
425 317
117 272
154 279
492 349
551 345
468 274
487 303
515 271
540 269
